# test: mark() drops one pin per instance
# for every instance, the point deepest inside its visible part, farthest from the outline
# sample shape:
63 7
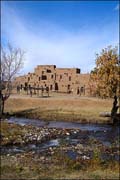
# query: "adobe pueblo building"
67 80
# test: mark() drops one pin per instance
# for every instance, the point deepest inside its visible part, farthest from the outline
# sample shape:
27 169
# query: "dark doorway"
68 88
56 86
26 84
51 87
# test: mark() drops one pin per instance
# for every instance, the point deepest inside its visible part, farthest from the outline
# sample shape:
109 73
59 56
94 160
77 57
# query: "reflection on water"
30 147
61 124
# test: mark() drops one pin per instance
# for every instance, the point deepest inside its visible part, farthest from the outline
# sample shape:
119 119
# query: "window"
39 78
44 77
48 71
69 78
52 76
78 71
68 86
28 78
60 76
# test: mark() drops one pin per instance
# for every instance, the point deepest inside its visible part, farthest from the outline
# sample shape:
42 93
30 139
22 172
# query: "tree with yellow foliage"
105 78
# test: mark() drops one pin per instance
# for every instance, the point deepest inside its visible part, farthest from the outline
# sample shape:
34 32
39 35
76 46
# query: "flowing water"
61 124
105 134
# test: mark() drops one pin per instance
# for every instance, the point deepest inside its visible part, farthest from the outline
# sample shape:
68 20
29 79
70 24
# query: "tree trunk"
3 104
1 107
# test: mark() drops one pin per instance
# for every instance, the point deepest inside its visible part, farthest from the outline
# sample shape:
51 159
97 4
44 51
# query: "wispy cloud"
47 43
117 7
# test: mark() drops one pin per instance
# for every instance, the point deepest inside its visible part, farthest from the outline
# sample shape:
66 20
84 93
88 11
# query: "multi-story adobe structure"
57 79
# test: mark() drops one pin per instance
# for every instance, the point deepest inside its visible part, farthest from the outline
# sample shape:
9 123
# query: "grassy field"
59 107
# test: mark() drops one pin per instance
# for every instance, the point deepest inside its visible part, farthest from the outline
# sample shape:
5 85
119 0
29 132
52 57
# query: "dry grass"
28 168
98 174
57 107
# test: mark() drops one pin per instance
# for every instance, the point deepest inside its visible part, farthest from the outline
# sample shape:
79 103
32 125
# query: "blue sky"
66 33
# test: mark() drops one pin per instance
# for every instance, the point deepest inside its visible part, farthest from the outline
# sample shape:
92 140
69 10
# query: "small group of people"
81 90
19 88
33 90
44 88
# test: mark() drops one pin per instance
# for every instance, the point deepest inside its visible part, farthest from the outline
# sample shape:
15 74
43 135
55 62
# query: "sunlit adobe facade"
57 79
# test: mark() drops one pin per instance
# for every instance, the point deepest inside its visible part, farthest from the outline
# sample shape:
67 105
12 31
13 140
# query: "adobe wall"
67 80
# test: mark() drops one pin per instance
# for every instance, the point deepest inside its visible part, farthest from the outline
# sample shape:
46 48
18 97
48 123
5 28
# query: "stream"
61 124
97 134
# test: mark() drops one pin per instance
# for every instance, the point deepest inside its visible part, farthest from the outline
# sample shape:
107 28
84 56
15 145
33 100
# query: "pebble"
75 132
42 158
67 134
79 152
85 157
44 134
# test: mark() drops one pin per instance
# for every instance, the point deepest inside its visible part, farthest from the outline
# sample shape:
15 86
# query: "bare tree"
11 63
